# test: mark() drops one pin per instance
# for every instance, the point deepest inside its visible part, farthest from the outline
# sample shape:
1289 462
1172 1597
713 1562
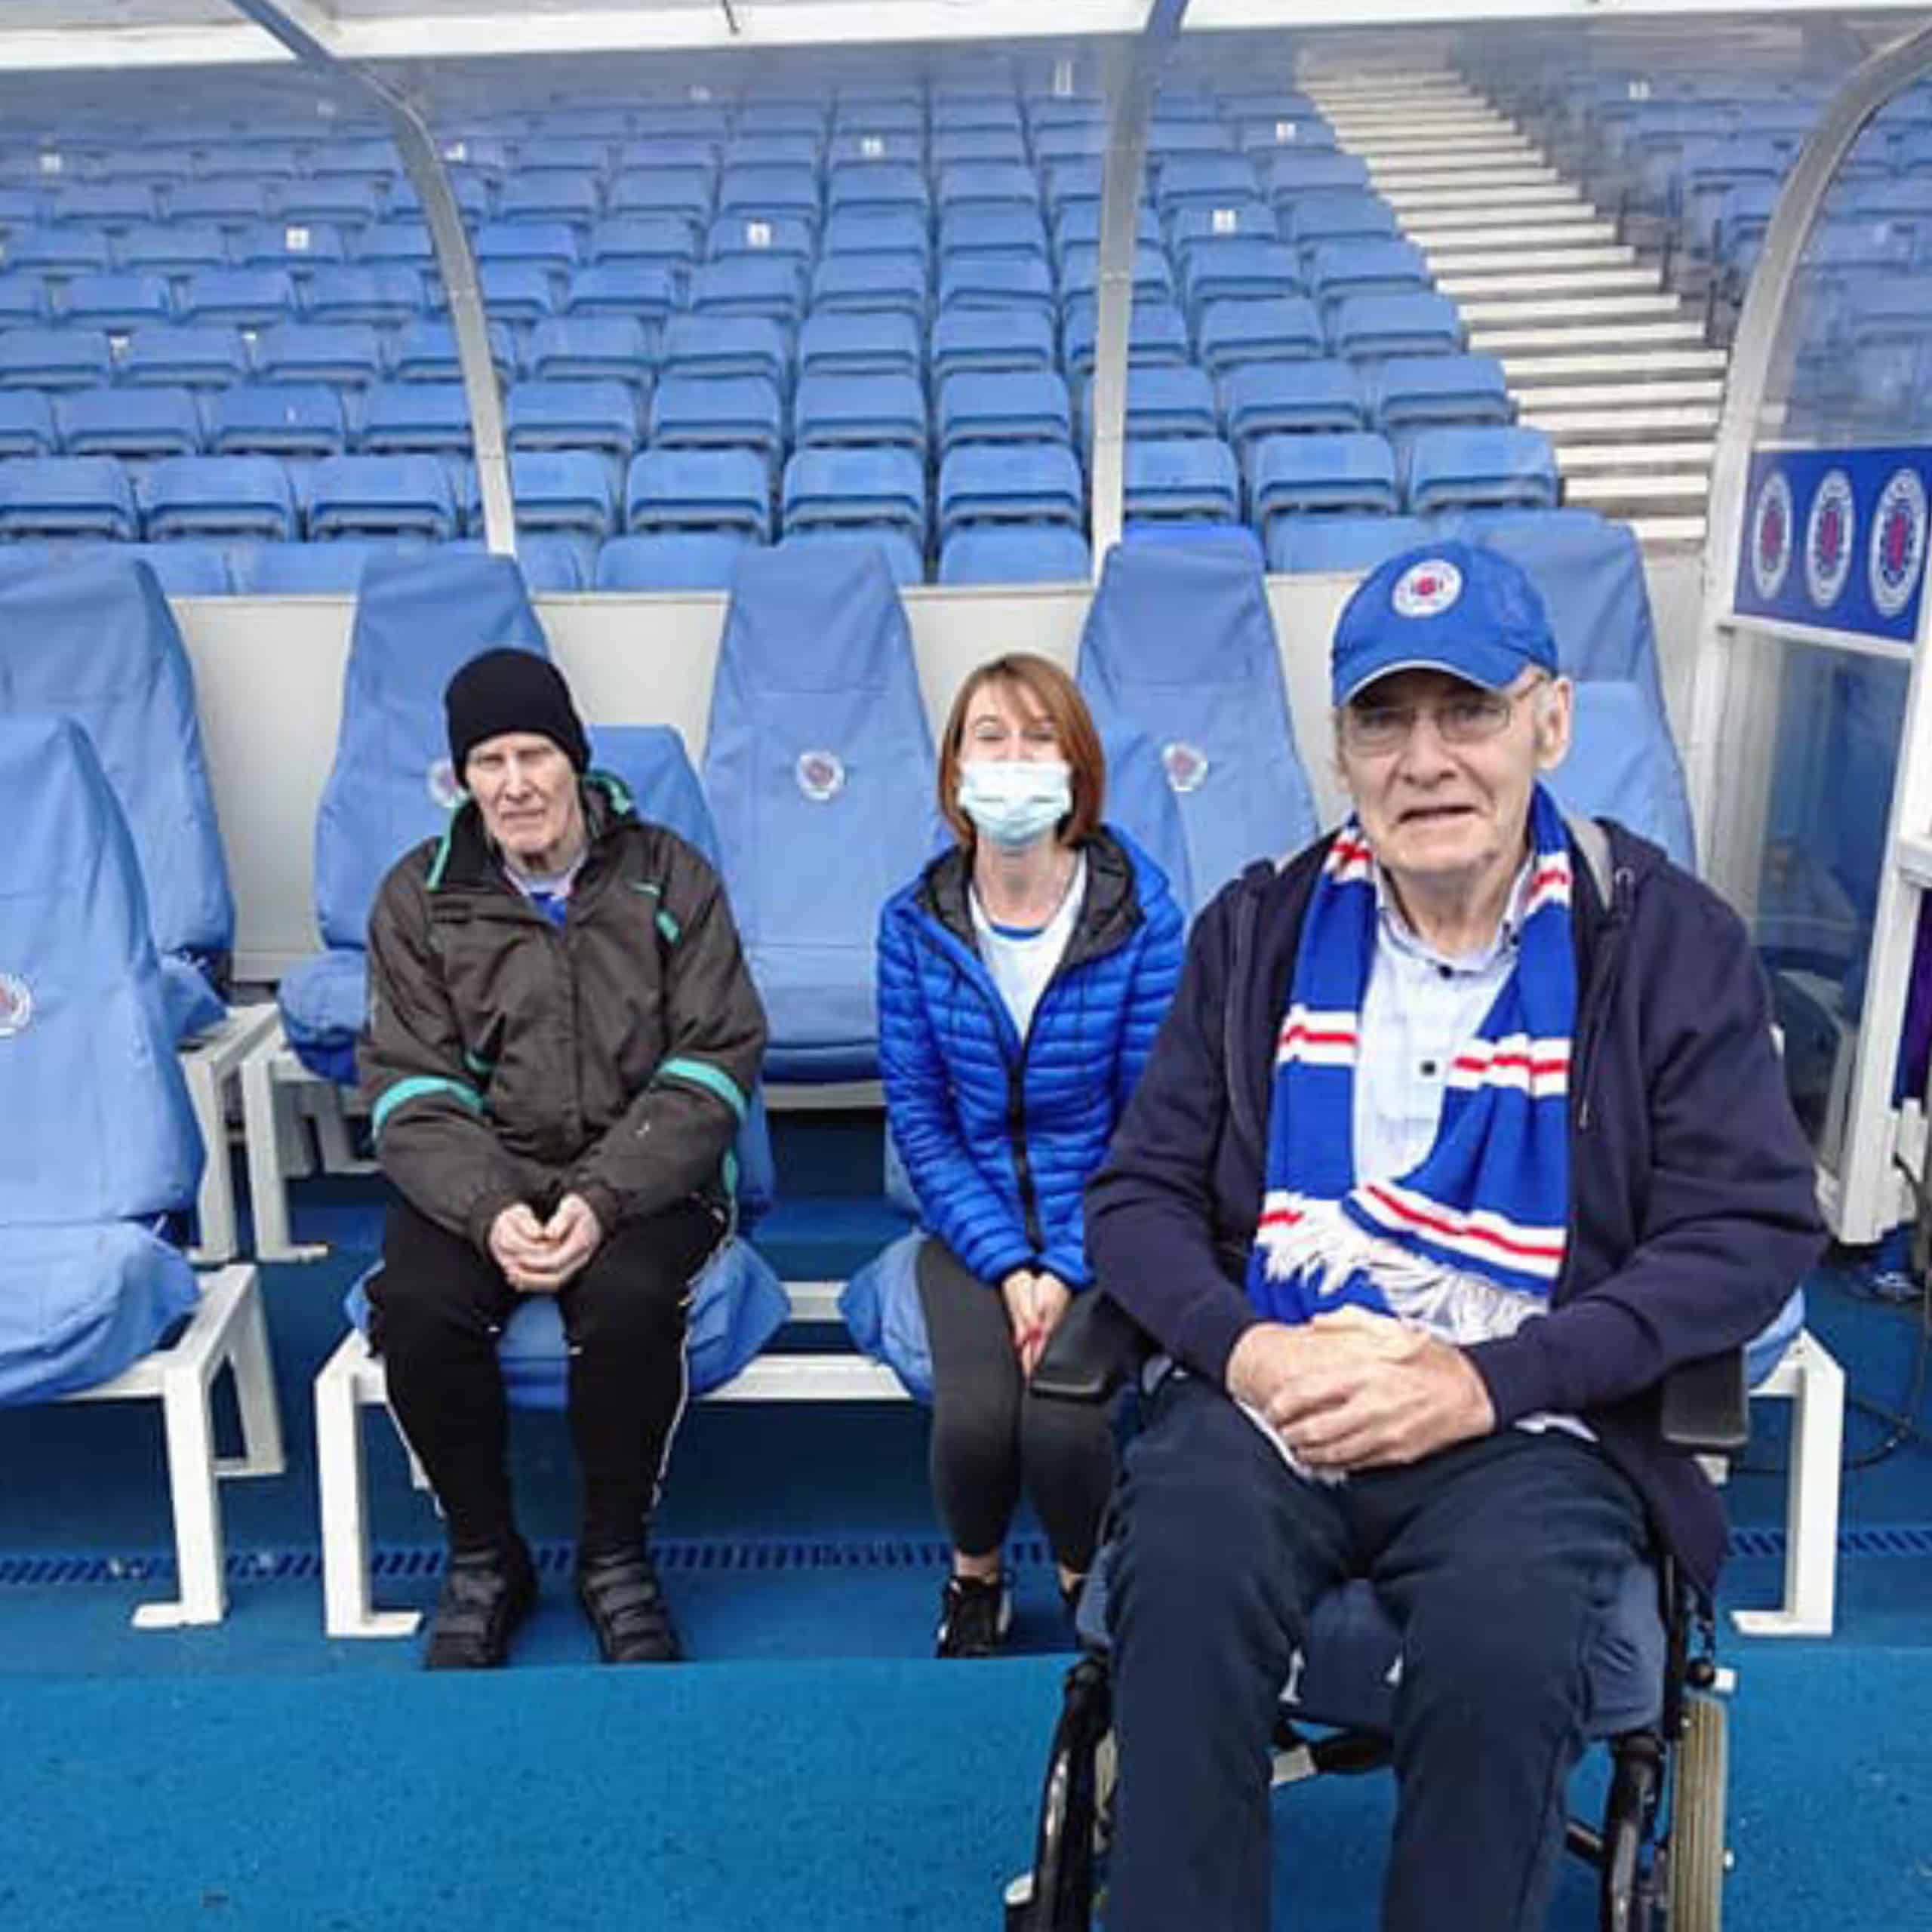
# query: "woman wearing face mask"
1022 978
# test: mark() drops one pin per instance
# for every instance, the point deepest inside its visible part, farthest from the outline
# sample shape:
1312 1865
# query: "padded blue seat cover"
104 1140
819 766
95 640
738 1303
1178 641
419 616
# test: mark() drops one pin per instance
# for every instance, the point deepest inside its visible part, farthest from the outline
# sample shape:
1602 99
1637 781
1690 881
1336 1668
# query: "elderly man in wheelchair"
1462 1171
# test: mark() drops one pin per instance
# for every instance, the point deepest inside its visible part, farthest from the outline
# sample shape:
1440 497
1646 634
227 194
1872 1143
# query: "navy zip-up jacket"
1693 1212
999 1136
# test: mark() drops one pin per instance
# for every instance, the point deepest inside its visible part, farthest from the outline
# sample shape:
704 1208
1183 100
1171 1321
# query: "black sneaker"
487 1593
974 1617
625 1602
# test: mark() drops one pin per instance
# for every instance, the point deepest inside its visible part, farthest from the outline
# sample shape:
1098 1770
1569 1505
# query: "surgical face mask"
1015 801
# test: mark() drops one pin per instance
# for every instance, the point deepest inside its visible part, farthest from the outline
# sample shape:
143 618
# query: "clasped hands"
538 1257
1034 1300
1356 1390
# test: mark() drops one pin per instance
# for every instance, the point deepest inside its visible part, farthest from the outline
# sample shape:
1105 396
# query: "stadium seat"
23 303
672 560
592 349
174 249
1205 181
571 197
1014 553
346 355
883 235
415 419
570 492
1339 541
381 296
238 298
1017 406
867 188
683 194
1162 402
1080 273
953 147
119 304
699 489
768 285
718 412
348 204
1179 644
381 496
1238 269
290 419
871 284
1344 214
990 339
66 496
134 424
767 196
425 353
1010 483
642 291
1284 329
552 245
1481 468
1001 282
1622 764
599 416
182 569
219 496
301 247
818 766
905 558
1190 479
830 410
1293 173
1156 337
1420 391
873 342
186 355
59 254
727 346
1291 398
986 184
307 569
228 204
1370 327
27 424
520 294
55 359
1338 269
396 245
1008 233
1290 476
845 488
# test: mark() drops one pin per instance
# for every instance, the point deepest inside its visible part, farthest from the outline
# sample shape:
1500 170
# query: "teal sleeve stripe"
669 927
709 1077
415 1088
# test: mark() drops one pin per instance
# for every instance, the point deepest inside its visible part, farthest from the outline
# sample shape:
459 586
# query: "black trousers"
1495 1559
436 1310
991 1435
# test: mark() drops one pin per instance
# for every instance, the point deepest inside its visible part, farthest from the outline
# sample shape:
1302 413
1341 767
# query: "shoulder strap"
1594 843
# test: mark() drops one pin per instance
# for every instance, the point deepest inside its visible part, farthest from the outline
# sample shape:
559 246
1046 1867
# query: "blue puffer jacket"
999 1137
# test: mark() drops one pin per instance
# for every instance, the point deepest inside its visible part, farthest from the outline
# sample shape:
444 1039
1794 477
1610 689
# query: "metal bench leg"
347 1610
1815 1383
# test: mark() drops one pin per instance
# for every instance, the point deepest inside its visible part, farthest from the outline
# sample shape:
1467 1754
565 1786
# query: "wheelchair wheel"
1697 1817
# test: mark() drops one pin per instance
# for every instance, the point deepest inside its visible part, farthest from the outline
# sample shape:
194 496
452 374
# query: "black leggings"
436 1311
991 1433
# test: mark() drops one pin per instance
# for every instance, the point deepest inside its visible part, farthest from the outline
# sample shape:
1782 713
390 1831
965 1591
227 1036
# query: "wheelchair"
1659 1851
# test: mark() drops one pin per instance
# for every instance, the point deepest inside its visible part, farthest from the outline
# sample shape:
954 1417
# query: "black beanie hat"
512 691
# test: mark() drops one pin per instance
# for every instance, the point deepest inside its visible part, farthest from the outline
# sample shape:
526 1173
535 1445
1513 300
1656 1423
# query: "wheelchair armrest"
1704 1406
1097 1346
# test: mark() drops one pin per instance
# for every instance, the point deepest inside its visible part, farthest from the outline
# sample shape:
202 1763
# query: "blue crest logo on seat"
1186 764
821 775
16 1005
444 788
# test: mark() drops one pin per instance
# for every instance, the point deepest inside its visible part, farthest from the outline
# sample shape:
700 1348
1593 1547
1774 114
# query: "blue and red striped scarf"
1469 1243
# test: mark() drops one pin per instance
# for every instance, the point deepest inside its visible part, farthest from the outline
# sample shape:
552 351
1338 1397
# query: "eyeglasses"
1470 718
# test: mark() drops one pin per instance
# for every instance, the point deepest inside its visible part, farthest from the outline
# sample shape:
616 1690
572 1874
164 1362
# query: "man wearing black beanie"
562 1036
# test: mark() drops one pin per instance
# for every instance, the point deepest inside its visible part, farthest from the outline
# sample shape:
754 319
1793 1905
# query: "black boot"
487 1593
974 1616
621 1596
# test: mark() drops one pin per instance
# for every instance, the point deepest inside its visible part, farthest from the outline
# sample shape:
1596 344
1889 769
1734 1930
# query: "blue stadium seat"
228 205
1482 469
672 560
1292 399
599 416
350 158
668 243
848 488
1189 479
555 563
1205 181
95 640
118 303
347 203
548 157
1622 764
871 284
727 346
521 293
23 303
1337 269
1294 172
699 489
301 247
1283 330
1419 391
905 558
65 496
818 766
990 339
645 292
1162 402
1291 475
134 424
27 424
1007 234
592 349
831 411
188 355
769 285
553 245
425 353
307 569
419 616
381 496
1339 541
172 248
573 492
89 1286
55 359
768 195
868 342
1179 645
874 187
238 298
1014 553
238 497
1015 406
882 235
1339 215
1001 282
796 153
415 419
1010 483
287 420
348 355
1071 184
1366 328
1191 228
953 147
396 244
683 194
383 296
718 412
1156 337
1077 225
570 196
986 184
59 254
1238 268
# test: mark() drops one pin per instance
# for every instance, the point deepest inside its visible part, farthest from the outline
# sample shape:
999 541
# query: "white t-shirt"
1022 959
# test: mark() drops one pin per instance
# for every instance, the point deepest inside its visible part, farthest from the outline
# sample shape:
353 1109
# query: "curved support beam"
456 262
1120 224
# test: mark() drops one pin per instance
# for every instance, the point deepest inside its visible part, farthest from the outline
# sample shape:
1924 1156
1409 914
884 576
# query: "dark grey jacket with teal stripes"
507 1060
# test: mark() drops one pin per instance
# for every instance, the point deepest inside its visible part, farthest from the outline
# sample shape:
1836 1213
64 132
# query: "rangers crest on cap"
1829 536
1427 589
1770 536
1898 542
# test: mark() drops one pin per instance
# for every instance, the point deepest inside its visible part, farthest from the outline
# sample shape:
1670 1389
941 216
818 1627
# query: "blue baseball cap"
1446 607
